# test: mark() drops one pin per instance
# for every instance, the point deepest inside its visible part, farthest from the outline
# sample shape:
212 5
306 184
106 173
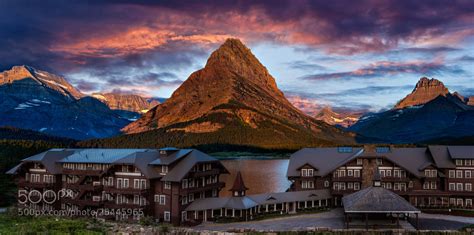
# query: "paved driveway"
333 219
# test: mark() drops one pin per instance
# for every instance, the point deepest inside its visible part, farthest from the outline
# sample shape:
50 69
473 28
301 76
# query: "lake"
260 176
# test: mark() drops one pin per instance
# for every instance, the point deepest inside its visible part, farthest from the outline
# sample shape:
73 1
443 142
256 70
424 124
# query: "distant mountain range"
429 113
40 101
341 118
232 101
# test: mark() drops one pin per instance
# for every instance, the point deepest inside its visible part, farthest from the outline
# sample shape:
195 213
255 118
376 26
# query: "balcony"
394 179
28 184
88 172
204 188
205 173
85 187
347 179
129 190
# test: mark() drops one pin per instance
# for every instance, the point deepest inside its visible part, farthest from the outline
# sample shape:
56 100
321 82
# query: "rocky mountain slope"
41 101
233 100
425 90
127 102
421 119
341 118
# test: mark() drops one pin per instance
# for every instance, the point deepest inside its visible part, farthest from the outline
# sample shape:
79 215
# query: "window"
396 186
356 186
452 187
388 185
452 174
136 199
191 197
167 185
214 192
459 201
164 169
307 184
458 174
167 216
350 173
459 187
342 173
310 172
162 200
378 161
410 184
143 184
310 184
388 173
468 202
403 187
452 201
403 173
433 185
136 183
125 183
434 173
396 173
326 183
382 173
350 185
184 200
458 162
359 161
184 183
467 174
426 185
304 172
357 173
467 162
382 149
468 187
344 149
191 183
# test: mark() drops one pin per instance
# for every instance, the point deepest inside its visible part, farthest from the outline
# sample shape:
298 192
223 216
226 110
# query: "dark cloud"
391 68
466 58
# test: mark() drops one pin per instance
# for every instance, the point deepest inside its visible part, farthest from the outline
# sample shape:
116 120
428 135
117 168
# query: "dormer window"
344 149
458 162
467 162
359 161
164 169
307 172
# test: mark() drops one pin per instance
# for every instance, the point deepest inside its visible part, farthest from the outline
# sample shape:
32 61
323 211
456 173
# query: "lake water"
260 176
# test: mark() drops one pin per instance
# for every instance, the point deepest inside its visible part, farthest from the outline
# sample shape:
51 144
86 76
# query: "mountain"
446 116
127 102
341 118
41 101
471 101
425 90
233 100
12 133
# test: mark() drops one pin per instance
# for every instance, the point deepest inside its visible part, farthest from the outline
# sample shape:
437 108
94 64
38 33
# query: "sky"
360 55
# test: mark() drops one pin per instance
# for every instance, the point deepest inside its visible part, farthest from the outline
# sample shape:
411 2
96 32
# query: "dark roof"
141 160
48 159
186 164
325 159
461 152
441 156
103 156
411 159
239 184
250 201
167 160
376 200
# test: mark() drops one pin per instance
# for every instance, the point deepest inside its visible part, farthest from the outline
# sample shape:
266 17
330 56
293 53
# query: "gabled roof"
48 159
171 158
325 159
141 160
461 152
186 164
376 200
411 159
441 156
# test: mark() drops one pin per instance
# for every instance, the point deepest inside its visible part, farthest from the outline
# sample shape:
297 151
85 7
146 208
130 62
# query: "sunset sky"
351 54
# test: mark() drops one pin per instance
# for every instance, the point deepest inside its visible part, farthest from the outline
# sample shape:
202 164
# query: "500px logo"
48 196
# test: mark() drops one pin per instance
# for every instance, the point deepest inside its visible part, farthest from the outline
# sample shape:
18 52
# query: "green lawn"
12 224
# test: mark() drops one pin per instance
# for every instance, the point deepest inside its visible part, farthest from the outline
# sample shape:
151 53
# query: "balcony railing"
24 183
82 202
205 173
347 178
204 188
129 190
89 172
86 187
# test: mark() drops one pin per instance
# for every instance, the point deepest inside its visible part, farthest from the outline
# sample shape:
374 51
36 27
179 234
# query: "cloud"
304 65
383 68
